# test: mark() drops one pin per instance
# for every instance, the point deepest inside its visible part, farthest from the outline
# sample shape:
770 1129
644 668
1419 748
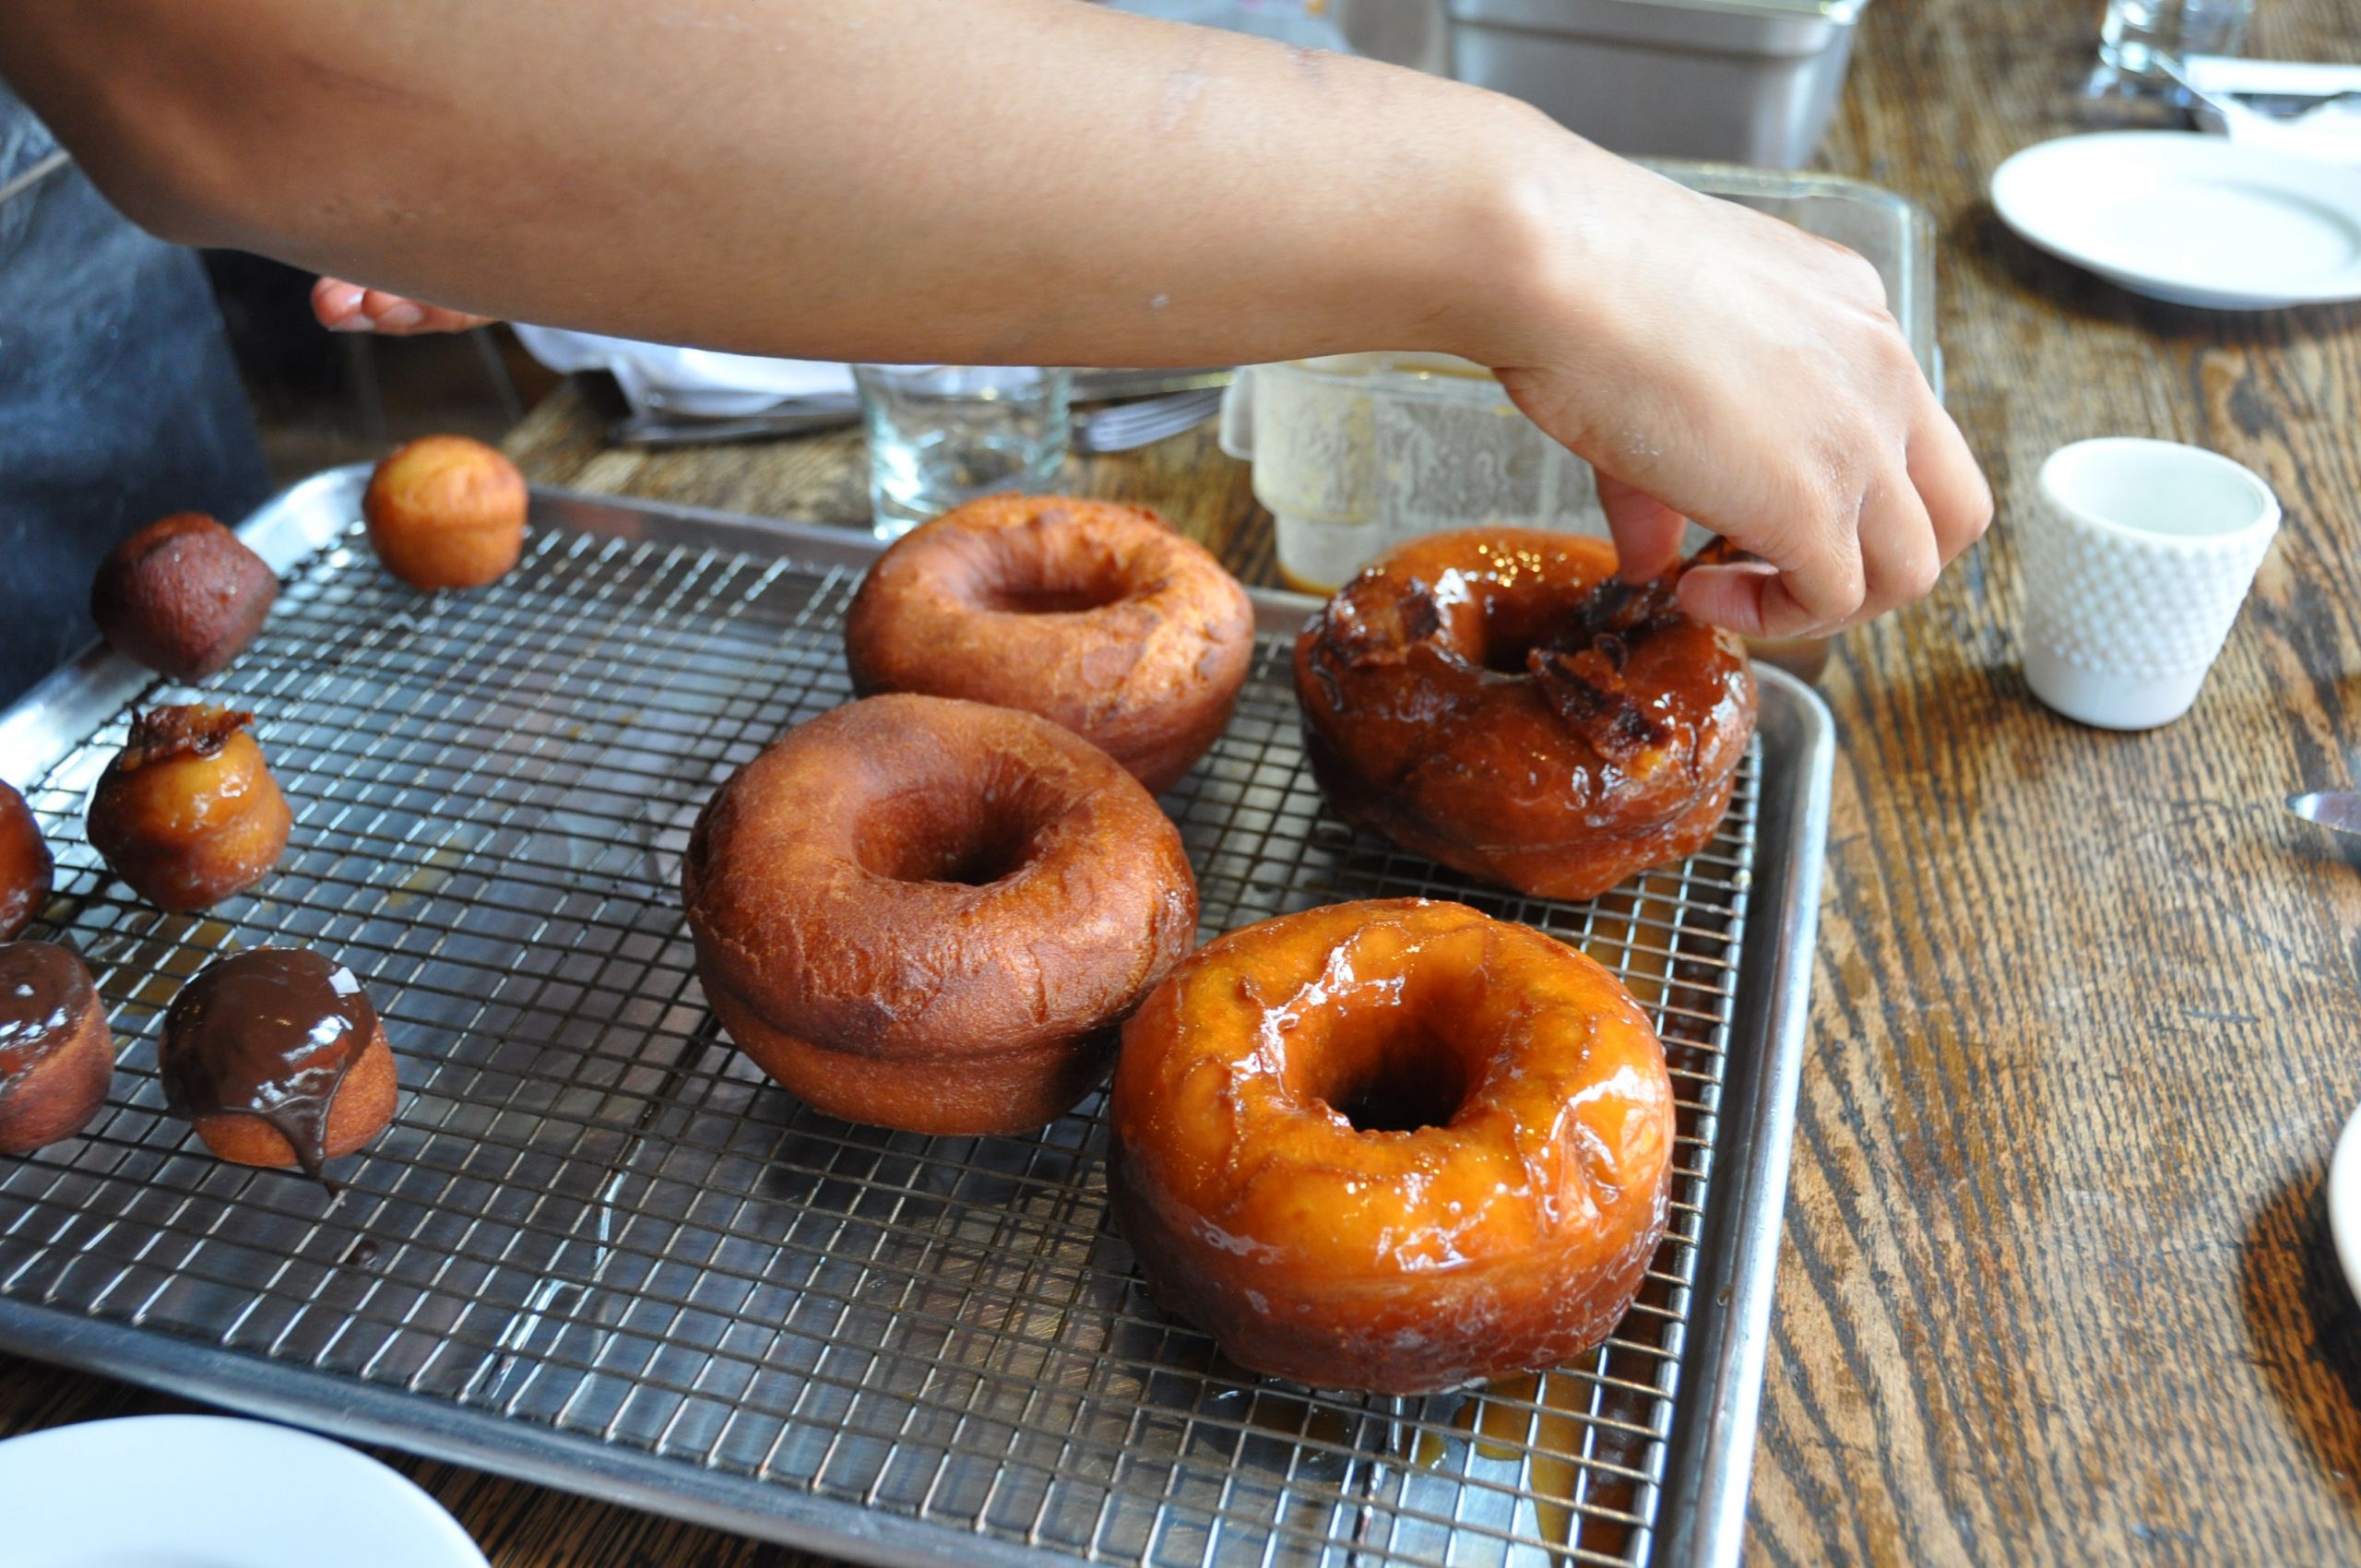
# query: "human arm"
1034 181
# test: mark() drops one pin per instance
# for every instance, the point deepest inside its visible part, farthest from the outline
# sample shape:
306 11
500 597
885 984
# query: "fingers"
1900 556
1647 532
1741 596
1820 581
1957 497
337 305
1928 506
349 308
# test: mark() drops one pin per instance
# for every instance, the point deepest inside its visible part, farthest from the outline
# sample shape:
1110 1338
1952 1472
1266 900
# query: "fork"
1127 426
1120 428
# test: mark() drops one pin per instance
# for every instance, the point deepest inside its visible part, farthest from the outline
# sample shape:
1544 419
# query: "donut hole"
1056 585
1050 567
1512 627
1399 1078
1508 656
1051 600
941 837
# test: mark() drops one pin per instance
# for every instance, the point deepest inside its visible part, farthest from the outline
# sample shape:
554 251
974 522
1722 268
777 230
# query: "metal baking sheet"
598 1249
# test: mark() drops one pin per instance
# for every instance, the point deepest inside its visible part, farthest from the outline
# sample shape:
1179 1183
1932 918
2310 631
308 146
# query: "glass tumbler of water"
940 434
2137 31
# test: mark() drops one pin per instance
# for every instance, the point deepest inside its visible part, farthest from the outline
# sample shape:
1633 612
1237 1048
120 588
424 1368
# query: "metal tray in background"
598 1249
1747 81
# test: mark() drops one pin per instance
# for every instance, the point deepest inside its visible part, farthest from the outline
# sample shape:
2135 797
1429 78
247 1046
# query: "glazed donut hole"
1399 1077
1505 633
1501 629
1392 1069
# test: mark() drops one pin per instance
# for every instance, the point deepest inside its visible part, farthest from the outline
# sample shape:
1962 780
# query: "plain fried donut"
1395 1146
1497 700
1094 616
928 914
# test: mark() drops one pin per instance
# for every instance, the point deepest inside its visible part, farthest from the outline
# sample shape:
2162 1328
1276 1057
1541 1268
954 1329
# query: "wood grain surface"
2056 1286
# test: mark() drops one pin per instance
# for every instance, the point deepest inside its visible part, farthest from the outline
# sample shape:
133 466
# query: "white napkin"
2332 133
657 378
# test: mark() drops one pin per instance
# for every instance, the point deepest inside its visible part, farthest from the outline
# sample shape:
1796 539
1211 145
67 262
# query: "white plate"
2195 219
2344 1201
208 1491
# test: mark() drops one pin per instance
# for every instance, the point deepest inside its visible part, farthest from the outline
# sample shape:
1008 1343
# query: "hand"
349 308
1718 364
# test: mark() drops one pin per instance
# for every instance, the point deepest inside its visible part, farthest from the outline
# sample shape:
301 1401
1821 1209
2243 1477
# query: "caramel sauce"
270 1033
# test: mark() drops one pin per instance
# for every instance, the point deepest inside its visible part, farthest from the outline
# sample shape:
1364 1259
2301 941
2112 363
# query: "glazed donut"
27 870
928 914
278 1059
1396 1146
57 1053
188 813
1496 699
1094 616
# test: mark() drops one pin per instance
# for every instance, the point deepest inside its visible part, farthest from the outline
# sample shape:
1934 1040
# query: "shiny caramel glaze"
277 1058
928 914
183 596
1495 700
57 1053
446 512
1393 1146
188 813
26 868
1094 616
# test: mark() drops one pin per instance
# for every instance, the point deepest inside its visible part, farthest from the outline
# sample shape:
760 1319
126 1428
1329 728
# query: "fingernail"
399 316
356 322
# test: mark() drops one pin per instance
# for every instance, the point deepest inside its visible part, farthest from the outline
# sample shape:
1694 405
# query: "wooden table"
2056 1286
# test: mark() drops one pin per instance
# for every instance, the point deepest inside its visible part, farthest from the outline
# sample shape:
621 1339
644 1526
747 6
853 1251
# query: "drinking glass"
941 435
2136 32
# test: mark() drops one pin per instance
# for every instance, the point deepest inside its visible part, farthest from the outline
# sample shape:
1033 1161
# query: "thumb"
1647 532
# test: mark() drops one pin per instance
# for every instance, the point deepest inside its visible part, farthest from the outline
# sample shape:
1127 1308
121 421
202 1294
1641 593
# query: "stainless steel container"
1404 32
1742 81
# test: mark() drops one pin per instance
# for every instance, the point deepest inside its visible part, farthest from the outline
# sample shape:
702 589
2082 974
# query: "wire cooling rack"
593 1219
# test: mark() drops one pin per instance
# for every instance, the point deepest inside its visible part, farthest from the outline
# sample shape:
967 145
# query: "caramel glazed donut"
1395 1147
928 914
1094 616
1498 701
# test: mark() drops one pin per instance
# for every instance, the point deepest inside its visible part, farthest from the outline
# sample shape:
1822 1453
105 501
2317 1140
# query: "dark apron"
119 402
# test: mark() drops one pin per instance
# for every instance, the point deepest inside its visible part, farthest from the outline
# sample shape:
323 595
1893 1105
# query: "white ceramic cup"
2344 1201
2135 568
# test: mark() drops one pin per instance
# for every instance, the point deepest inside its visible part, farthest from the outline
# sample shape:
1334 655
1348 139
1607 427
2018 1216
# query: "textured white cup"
2135 568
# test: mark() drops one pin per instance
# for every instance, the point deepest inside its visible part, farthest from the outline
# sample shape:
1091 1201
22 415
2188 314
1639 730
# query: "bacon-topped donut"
1497 700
